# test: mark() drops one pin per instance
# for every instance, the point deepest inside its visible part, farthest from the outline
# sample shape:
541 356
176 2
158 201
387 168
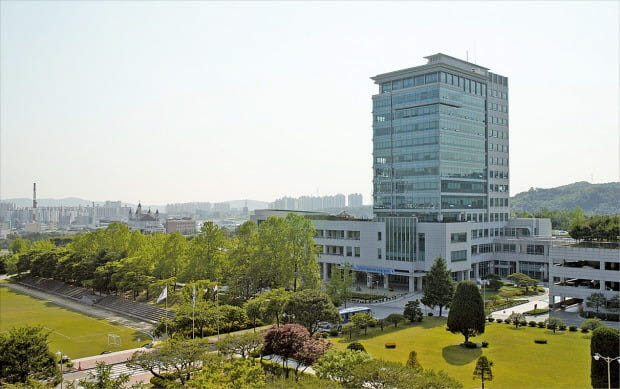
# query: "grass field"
517 361
73 333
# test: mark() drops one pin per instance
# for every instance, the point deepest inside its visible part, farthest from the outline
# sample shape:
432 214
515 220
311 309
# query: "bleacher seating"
141 311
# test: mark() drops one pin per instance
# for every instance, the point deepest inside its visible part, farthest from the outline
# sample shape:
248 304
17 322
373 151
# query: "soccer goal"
114 340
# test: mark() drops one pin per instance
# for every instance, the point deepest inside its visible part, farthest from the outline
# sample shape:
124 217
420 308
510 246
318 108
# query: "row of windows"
467 85
409 82
461 99
498 94
477 144
535 249
337 234
498 188
500 161
414 172
498 134
498 121
497 174
402 202
498 217
499 148
463 202
498 107
496 78
462 172
458 237
498 202
415 97
465 128
416 111
408 157
462 157
463 187
461 113
408 128
407 142
401 187
458 256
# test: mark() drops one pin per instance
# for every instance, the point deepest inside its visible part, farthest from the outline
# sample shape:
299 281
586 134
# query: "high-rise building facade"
440 142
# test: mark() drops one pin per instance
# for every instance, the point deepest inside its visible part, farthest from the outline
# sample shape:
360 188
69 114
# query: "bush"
499 320
585 330
324 334
523 323
572 328
485 344
538 311
562 327
490 319
470 345
532 323
605 341
355 346
372 324
430 314
540 341
390 345
541 324
591 324
333 332
507 321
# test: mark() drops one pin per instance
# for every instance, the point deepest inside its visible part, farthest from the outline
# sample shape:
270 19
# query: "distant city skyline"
199 101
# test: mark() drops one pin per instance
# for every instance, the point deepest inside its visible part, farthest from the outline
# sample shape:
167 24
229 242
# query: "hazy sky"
173 102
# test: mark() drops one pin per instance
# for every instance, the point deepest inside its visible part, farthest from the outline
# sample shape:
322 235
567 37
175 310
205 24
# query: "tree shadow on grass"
459 355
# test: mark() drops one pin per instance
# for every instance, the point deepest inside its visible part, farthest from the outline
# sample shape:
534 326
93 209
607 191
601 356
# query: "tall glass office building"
440 142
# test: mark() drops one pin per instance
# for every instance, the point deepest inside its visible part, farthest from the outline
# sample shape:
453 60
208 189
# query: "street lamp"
61 361
609 360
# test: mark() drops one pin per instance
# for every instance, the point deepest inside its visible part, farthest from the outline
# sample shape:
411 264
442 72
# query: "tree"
255 310
495 281
303 252
438 286
206 253
413 362
242 344
380 374
285 341
516 318
242 274
178 356
277 300
19 246
523 281
553 323
232 317
483 370
394 318
102 378
412 311
219 373
596 300
606 342
466 314
614 302
339 285
338 365
309 353
350 328
310 307
24 355
362 321
591 324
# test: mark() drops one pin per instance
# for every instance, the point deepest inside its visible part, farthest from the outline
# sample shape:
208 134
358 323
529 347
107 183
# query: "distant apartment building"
311 203
184 226
354 200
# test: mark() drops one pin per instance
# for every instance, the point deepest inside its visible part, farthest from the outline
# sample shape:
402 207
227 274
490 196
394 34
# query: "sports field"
564 362
73 333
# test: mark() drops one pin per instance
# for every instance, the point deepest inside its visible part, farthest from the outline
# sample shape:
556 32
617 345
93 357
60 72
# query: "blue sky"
172 102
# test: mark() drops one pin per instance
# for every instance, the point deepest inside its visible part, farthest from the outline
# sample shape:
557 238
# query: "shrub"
372 323
470 345
562 327
523 323
324 334
333 332
591 324
507 320
355 346
490 319
390 345
430 314
499 320
532 323
541 324
585 330
485 344
572 328
540 341
605 341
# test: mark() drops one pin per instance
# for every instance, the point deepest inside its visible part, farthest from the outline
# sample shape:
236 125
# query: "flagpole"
166 309
193 308
217 304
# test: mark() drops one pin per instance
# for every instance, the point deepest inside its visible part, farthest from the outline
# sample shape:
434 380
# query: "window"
535 249
349 251
457 256
458 237
379 235
379 253
357 251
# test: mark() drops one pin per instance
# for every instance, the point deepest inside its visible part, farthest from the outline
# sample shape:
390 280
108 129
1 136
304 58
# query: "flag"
215 289
163 295
194 295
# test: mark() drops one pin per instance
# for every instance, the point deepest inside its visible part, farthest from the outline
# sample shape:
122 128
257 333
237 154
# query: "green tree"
596 301
339 285
219 373
412 311
351 329
605 341
516 318
523 281
362 321
241 344
310 307
495 281
272 270
553 323
24 355
232 317
206 253
173 259
255 310
413 362
466 314
394 318
243 276
338 365
276 300
438 286
591 324
303 252
19 246
380 374
483 370
102 378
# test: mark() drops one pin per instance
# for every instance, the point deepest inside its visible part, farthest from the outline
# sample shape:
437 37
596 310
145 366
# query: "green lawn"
75 334
517 361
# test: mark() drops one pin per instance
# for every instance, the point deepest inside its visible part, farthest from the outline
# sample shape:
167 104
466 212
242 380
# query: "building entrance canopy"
371 269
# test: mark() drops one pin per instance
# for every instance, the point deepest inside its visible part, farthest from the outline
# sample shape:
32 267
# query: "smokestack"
34 202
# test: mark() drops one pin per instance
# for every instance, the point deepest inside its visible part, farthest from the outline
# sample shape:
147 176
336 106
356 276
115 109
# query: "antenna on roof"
475 57
467 55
